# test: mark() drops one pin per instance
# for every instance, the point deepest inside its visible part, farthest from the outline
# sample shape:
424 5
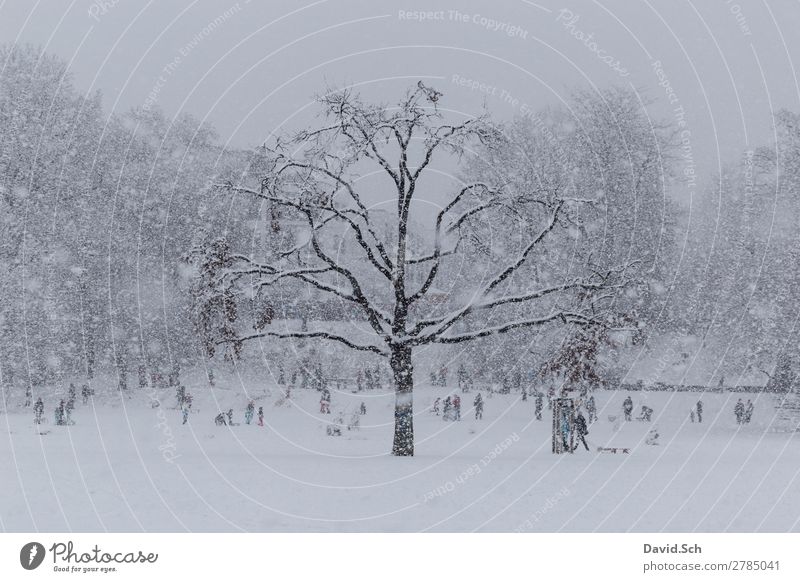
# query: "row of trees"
96 211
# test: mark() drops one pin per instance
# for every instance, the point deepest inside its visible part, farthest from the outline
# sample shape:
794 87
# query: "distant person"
581 430
68 408
627 407
38 411
699 411
260 416
478 407
448 404
748 411
457 406
539 405
436 404
738 411
362 409
248 412
219 420
60 414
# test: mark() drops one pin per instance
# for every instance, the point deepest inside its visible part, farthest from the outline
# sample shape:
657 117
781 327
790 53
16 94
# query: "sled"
614 450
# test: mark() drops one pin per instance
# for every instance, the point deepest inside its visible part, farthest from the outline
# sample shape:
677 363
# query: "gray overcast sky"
248 66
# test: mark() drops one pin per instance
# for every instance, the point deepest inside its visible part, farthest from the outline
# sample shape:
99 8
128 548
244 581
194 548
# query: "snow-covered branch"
311 334
564 316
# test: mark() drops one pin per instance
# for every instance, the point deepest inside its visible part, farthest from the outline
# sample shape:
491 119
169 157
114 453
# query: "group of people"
63 412
743 412
572 423
369 379
226 419
440 378
450 407
646 414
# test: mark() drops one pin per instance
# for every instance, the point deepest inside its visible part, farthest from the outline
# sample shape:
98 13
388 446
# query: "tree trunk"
403 371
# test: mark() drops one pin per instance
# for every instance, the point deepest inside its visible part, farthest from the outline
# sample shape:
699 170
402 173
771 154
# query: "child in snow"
748 412
219 420
647 414
335 429
699 411
652 437
446 409
260 416
248 412
362 409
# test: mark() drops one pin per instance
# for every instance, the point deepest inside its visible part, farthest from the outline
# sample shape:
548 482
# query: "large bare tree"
326 178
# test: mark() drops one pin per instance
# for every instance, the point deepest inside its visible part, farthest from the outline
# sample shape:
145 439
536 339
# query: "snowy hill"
127 466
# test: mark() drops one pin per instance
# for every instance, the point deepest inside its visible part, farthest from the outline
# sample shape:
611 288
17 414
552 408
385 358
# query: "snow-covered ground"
125 466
